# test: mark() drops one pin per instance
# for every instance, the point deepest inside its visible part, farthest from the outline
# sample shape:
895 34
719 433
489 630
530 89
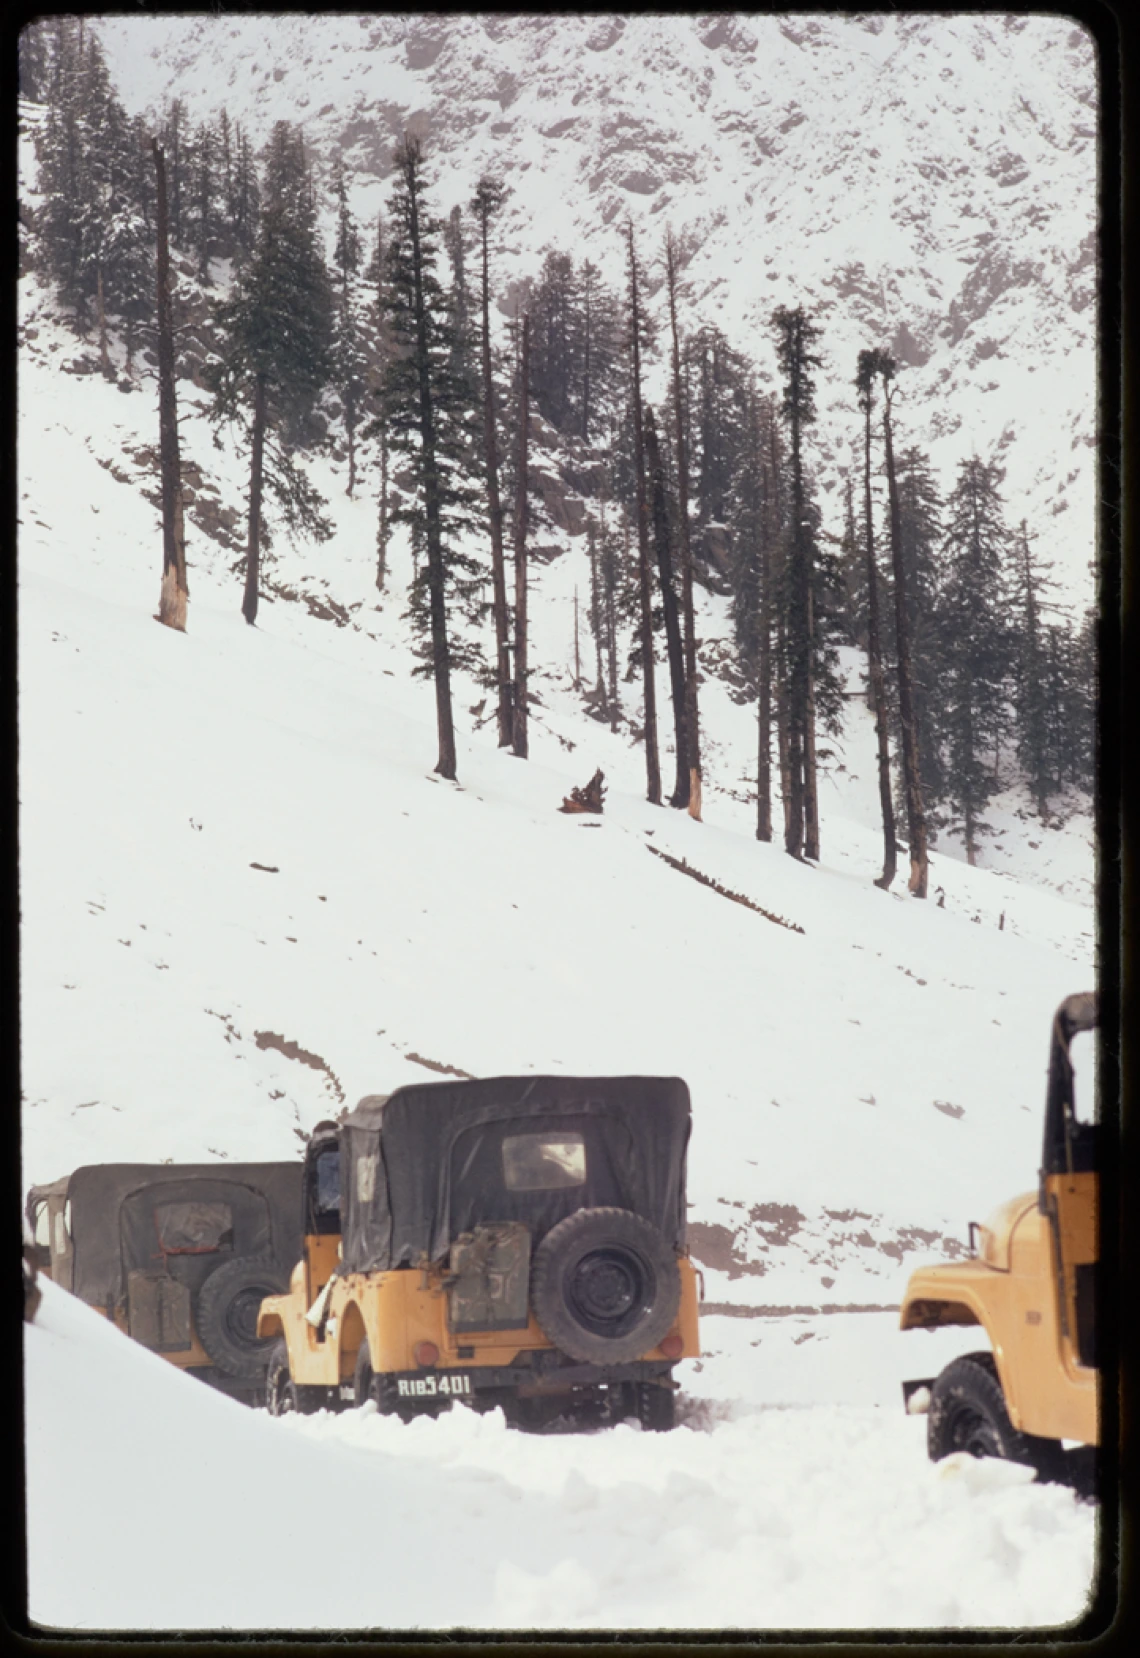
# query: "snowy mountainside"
921 182
247 900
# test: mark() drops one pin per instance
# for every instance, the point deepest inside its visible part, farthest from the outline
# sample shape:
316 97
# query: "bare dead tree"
173 595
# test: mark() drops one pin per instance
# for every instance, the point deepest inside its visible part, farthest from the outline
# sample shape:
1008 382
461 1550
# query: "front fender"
270 1315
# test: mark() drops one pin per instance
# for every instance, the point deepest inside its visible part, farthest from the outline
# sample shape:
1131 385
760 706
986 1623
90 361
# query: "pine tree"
920 527
34 60
520 700
660 506
555 323
430 422
673 256
610 582
275 332
348 356
462 331
795 336
599 367
869 368
1036 692
912 778
487 202
377 427
202 217
636 337
243 206
173 593
976 646
174 143
93 231
755 519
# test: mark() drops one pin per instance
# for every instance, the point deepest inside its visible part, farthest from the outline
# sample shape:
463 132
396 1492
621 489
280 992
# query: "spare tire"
226 1315
605 1286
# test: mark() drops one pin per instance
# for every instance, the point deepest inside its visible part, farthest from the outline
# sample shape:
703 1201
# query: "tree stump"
588 799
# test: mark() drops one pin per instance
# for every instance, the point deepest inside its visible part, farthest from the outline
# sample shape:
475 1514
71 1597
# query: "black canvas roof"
111 1214
424 1164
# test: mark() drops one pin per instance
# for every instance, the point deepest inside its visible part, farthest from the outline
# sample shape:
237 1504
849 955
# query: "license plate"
451 1385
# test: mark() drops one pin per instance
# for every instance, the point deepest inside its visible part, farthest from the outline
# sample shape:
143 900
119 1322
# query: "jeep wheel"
282 1394
365 1381
226 1315
605 1286
968 1413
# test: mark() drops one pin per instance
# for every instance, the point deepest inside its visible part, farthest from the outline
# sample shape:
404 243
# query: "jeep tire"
226 1315
282 1394
968 1413
372 1384
605 1286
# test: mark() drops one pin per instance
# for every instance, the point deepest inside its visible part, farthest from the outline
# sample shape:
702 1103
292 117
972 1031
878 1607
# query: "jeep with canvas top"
513 1241
178 1256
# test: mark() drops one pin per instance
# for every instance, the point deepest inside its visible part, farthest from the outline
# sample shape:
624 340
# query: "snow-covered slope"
763 1520
925 182
247 899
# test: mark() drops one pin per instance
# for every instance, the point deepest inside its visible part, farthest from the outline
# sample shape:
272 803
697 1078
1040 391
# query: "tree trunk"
495 518
875 666
256 485
433 534
173 593
1032 672
796 648
596 614
104 354
382 526
519 712
673 643
692 718
609 583
916 817
350 433
811 775
652 766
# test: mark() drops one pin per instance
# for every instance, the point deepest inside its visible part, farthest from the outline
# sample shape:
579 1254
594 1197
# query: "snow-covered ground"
233 849
232 841
154 1503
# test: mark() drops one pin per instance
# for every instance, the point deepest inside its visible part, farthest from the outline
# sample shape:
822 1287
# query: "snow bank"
157 1504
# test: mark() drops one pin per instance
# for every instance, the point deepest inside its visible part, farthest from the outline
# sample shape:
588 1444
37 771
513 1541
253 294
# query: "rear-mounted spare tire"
605 1286
226 1315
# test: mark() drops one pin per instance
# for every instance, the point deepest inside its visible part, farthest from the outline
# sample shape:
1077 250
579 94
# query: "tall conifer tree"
868 372
275 331
430 423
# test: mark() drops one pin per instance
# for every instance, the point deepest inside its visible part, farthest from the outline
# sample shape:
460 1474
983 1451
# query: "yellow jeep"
1032 1286
513 1241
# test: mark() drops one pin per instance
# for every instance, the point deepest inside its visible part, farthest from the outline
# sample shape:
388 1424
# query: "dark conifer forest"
688 458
